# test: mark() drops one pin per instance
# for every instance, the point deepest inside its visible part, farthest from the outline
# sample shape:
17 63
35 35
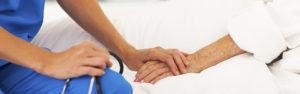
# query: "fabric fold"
255 32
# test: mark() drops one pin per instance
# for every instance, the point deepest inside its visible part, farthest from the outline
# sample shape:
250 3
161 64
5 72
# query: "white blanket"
188 26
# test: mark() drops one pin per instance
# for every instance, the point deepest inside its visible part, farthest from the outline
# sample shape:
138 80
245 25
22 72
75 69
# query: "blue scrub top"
23 18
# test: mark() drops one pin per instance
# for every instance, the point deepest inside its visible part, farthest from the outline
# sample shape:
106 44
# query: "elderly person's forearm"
213 54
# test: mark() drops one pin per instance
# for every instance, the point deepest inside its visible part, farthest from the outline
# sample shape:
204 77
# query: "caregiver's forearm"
89 15
18 51
213 54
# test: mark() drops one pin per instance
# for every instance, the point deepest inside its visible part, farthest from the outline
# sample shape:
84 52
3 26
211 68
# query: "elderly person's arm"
206 57
89 15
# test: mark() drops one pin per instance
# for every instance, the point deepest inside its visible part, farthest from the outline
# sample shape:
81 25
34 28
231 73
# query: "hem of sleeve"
255 32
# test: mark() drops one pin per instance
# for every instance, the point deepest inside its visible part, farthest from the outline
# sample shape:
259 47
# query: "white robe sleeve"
267 30
255 31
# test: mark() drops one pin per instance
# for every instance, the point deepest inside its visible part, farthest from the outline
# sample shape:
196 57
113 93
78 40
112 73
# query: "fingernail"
135 80
143 81
152 82
184 70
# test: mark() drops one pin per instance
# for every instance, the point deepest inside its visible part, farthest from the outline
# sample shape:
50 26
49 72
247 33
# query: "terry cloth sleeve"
255 31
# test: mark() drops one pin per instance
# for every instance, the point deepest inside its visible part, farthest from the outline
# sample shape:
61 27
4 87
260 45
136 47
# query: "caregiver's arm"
88 14
206 57
77 61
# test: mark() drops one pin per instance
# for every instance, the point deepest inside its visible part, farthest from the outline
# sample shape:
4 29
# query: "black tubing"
98 82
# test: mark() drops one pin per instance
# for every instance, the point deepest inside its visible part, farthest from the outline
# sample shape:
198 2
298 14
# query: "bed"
186 25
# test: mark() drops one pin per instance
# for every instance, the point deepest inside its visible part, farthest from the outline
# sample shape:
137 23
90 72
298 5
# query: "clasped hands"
165 63
89 59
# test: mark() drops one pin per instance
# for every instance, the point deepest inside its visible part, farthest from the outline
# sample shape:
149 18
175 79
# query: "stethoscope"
97 78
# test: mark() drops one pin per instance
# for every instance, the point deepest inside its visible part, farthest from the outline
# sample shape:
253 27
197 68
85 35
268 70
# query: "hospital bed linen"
193 25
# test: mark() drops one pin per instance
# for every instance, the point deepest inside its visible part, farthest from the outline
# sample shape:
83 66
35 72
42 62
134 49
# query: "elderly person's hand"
175 60
152 72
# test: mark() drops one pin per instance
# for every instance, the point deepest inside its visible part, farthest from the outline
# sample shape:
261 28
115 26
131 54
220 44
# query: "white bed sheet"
193 25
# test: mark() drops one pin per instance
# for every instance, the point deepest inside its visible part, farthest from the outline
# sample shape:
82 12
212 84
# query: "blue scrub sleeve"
1 92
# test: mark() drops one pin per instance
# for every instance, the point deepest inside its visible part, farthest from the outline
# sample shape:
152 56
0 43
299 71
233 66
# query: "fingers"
164 75
92 71
154 74
96 62
101 52
183 58
179 60
109 64
147 69
174 59
170 62
91 50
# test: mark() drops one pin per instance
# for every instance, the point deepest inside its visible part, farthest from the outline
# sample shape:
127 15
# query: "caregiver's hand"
83 59
172 57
